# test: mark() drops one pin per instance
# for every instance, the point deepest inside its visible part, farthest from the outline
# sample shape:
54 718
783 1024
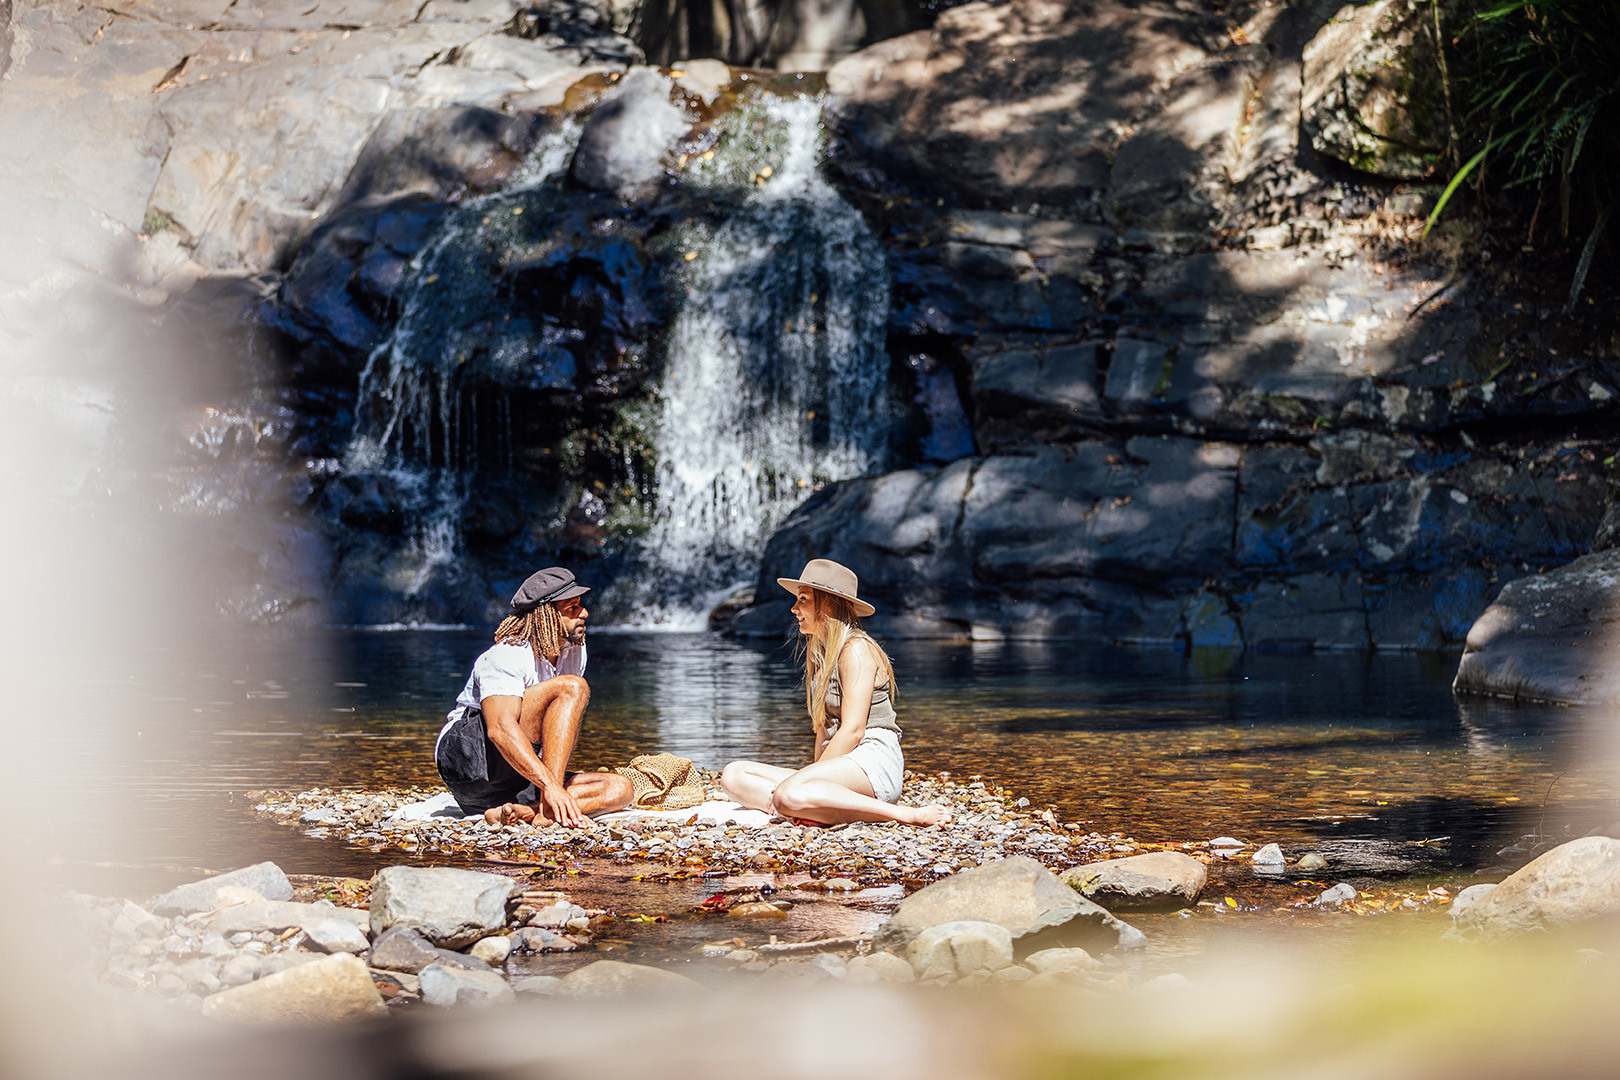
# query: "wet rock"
1544 637
959 949
539 939
1338 894
336 988
1571 885
607 978
1157 879
1373 96
624 146
756 909
1035 906
449 907
336 935
1311 860
444 985
264 878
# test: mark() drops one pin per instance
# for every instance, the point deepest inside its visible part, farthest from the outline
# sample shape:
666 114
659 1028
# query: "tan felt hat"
829 577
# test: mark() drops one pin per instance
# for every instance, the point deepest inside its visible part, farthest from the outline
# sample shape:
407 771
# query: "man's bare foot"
511 814
926 815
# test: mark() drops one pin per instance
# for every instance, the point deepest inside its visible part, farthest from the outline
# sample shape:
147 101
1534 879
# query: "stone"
703 79
336 935
606 978
492 950
1037 909
403 949
886 966
264 878
629 136
537 939
239 969
1338 894
1572 885
1269 856
443 985
281 961
1468 897
959 949
1061 962
451 908
1155 880
336 988
1544 636
132 920
539 985
1311 860
276 915
1373 96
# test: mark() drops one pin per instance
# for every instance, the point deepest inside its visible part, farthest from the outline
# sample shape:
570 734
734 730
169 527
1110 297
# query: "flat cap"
547 587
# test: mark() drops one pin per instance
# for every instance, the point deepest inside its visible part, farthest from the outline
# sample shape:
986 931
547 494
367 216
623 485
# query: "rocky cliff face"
1219 392
1162 369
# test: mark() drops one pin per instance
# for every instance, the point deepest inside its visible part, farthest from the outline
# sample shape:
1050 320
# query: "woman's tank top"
881 714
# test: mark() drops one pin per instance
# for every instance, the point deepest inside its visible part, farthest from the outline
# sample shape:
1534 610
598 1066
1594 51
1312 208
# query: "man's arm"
502 715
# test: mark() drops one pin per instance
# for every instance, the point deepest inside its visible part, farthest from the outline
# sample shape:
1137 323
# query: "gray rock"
1338 894
537 939
449 907
607 978
959 949
539 985
1270 856
331 989
1157 879
270 916
240 969
134 921
492 950
1062 962
1373 96
885 966
624 146
1544 636
1468 897
403 949
264 878
336 935
281 961
1018 893
1571 885
444 985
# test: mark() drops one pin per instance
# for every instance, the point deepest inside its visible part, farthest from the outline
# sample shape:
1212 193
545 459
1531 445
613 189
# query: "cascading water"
775 377
416 419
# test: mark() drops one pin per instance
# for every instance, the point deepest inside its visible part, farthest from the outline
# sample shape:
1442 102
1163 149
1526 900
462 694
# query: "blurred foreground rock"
1572 885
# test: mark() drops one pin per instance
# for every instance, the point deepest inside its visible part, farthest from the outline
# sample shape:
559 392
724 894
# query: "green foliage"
1541 81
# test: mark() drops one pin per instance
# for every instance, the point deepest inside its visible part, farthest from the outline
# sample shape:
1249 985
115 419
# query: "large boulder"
264 878
1547 637
449 907
607 978
1140 882
336 988
1038 910
1573 884
1374 94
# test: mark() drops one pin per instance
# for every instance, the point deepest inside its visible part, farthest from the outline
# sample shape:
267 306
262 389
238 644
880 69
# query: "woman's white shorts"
878 755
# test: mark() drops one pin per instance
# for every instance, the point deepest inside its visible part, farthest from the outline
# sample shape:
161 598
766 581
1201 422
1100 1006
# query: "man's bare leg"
595 792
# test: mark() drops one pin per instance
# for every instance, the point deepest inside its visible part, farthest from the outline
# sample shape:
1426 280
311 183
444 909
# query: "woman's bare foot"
926 815
511 814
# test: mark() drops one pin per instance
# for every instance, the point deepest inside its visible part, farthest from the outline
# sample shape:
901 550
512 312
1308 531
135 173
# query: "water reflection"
1153 744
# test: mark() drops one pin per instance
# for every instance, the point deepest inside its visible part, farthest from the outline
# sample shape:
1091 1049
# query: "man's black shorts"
474 770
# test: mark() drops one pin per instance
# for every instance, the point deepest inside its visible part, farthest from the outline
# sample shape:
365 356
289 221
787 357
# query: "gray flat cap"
547 587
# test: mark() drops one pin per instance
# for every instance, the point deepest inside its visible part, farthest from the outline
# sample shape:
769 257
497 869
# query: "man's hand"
562 808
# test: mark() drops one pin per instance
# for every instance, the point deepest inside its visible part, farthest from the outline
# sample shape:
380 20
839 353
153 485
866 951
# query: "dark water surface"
1362 756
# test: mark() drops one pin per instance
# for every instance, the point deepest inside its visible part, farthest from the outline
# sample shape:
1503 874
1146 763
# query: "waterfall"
415 419
775 377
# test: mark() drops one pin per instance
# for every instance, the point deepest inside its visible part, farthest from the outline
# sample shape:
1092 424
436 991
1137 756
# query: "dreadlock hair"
540 628
839 625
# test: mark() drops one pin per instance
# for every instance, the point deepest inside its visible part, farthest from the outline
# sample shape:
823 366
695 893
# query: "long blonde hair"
837 626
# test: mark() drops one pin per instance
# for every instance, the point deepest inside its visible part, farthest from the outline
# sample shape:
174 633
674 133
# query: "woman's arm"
857 674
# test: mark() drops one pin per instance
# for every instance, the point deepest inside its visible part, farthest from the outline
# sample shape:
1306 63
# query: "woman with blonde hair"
849 690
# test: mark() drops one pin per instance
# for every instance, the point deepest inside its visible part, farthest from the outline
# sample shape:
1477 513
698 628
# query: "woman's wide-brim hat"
829 577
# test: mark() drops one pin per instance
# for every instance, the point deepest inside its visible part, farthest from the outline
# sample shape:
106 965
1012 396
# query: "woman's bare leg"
595 792
836 791
751 782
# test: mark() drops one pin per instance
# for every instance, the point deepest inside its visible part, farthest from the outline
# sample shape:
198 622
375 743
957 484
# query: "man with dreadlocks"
505 748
